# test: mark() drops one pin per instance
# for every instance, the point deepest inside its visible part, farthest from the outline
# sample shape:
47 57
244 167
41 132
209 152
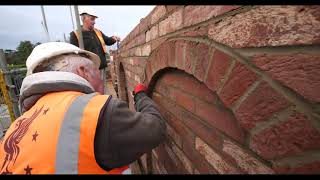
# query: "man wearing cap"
68 127
93 39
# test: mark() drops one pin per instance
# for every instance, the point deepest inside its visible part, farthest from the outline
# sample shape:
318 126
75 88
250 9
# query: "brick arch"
122 83
193 58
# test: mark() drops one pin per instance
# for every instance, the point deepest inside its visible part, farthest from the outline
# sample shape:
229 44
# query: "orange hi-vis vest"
56 136
99 35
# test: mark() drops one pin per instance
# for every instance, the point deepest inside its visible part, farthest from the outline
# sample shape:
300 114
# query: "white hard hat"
87 10
45 51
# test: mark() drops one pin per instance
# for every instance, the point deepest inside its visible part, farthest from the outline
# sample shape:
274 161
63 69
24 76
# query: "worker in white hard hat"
68 127
93 39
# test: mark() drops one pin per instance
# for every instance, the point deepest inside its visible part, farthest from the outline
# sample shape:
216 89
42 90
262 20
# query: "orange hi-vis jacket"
99 35
56 136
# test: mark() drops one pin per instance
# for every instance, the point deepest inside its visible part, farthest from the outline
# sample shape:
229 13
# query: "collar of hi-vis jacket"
36 85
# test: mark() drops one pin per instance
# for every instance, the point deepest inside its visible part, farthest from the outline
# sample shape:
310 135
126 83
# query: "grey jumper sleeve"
122 135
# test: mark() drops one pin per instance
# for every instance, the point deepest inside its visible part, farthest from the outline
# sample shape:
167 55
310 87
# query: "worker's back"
55 136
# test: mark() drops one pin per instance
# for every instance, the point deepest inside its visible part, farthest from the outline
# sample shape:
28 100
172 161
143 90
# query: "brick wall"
238 86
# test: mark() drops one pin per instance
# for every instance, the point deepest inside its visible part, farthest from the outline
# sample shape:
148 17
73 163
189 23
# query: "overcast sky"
20 23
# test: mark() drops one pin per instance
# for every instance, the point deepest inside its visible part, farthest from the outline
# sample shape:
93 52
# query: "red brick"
238 82
171 8
261 104
214 158
145 23
269 26
171 23
291 137
199 128
219 65
220 118
158 13
140 39
202 55
197 14
149 72
245 160
300 72
308 168
198 160
152 33
185 100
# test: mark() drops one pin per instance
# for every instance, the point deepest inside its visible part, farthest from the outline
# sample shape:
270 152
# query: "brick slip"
259 106
202 55
238 82
152 33
220 118
198 160
246 161
166 160
197 14
190 85
300 72
199 128
219 65
158 13
269 26
288 138
174 135
180 55
189 57
171 23
309 168
185 161
214 158
185 100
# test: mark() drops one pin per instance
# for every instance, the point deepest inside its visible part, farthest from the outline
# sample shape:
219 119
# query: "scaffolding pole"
79 29
45 24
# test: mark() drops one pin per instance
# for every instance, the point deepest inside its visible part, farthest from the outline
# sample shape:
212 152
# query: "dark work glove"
139 91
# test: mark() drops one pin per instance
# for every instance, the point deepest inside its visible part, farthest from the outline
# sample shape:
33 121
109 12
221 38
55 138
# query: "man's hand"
116 38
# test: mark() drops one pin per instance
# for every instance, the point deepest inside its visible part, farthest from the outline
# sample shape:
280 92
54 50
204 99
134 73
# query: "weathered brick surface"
171 23
288 138
216 160
196 14
259 106
269 26
299 72
240 79
246 161
159 12
224 115
152 33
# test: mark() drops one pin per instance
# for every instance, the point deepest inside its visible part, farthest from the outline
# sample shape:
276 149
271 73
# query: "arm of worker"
109 40
122 135
73 39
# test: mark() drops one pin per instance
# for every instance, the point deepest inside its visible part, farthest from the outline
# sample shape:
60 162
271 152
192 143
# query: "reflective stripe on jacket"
99 35
56 136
